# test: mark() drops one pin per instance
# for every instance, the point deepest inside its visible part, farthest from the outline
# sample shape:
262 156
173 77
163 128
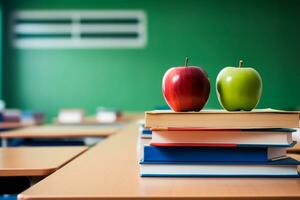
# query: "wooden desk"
10 125
35 161
91 120
110 170
52 131
295 149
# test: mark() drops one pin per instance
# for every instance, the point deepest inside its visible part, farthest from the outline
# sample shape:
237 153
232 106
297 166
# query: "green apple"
239 88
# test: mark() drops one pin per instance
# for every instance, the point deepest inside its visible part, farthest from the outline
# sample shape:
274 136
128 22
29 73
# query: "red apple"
186 88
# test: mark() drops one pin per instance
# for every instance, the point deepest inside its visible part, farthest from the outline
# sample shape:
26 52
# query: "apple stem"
186 61
241 63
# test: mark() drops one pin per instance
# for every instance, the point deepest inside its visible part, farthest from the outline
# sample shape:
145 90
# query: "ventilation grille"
81 29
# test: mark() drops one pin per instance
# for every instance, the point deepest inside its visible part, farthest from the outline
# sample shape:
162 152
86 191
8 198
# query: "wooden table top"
91 120
295 149
55 131
111 170
10 125
35 161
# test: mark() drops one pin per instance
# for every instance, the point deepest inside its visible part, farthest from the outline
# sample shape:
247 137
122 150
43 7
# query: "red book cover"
158 144
191 129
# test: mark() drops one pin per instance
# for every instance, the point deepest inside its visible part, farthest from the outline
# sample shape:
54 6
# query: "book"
143 139
141 142
260 118
295 148
32 118
12 115
208 154
279 168
145 132
230 138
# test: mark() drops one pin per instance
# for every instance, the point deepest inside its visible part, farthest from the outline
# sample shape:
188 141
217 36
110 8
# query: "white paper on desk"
70 117
106 116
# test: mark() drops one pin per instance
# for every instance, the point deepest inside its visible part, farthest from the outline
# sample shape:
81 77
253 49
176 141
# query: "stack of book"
25 118
218 143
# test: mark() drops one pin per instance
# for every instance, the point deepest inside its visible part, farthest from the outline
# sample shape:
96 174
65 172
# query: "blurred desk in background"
57 132
126 118
7 126
74 134
10 125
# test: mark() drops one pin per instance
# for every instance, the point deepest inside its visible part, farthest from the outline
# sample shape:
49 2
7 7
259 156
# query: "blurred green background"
213 33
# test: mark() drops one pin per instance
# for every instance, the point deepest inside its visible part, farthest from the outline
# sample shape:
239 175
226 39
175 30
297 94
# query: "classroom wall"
213 33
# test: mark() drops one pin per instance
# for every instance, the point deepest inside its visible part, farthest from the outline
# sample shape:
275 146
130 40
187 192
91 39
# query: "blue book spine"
146 131
205 154
286 161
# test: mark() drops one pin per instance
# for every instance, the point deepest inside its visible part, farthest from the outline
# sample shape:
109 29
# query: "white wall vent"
79 29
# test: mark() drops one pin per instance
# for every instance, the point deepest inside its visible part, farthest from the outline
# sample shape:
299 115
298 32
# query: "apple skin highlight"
186 88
